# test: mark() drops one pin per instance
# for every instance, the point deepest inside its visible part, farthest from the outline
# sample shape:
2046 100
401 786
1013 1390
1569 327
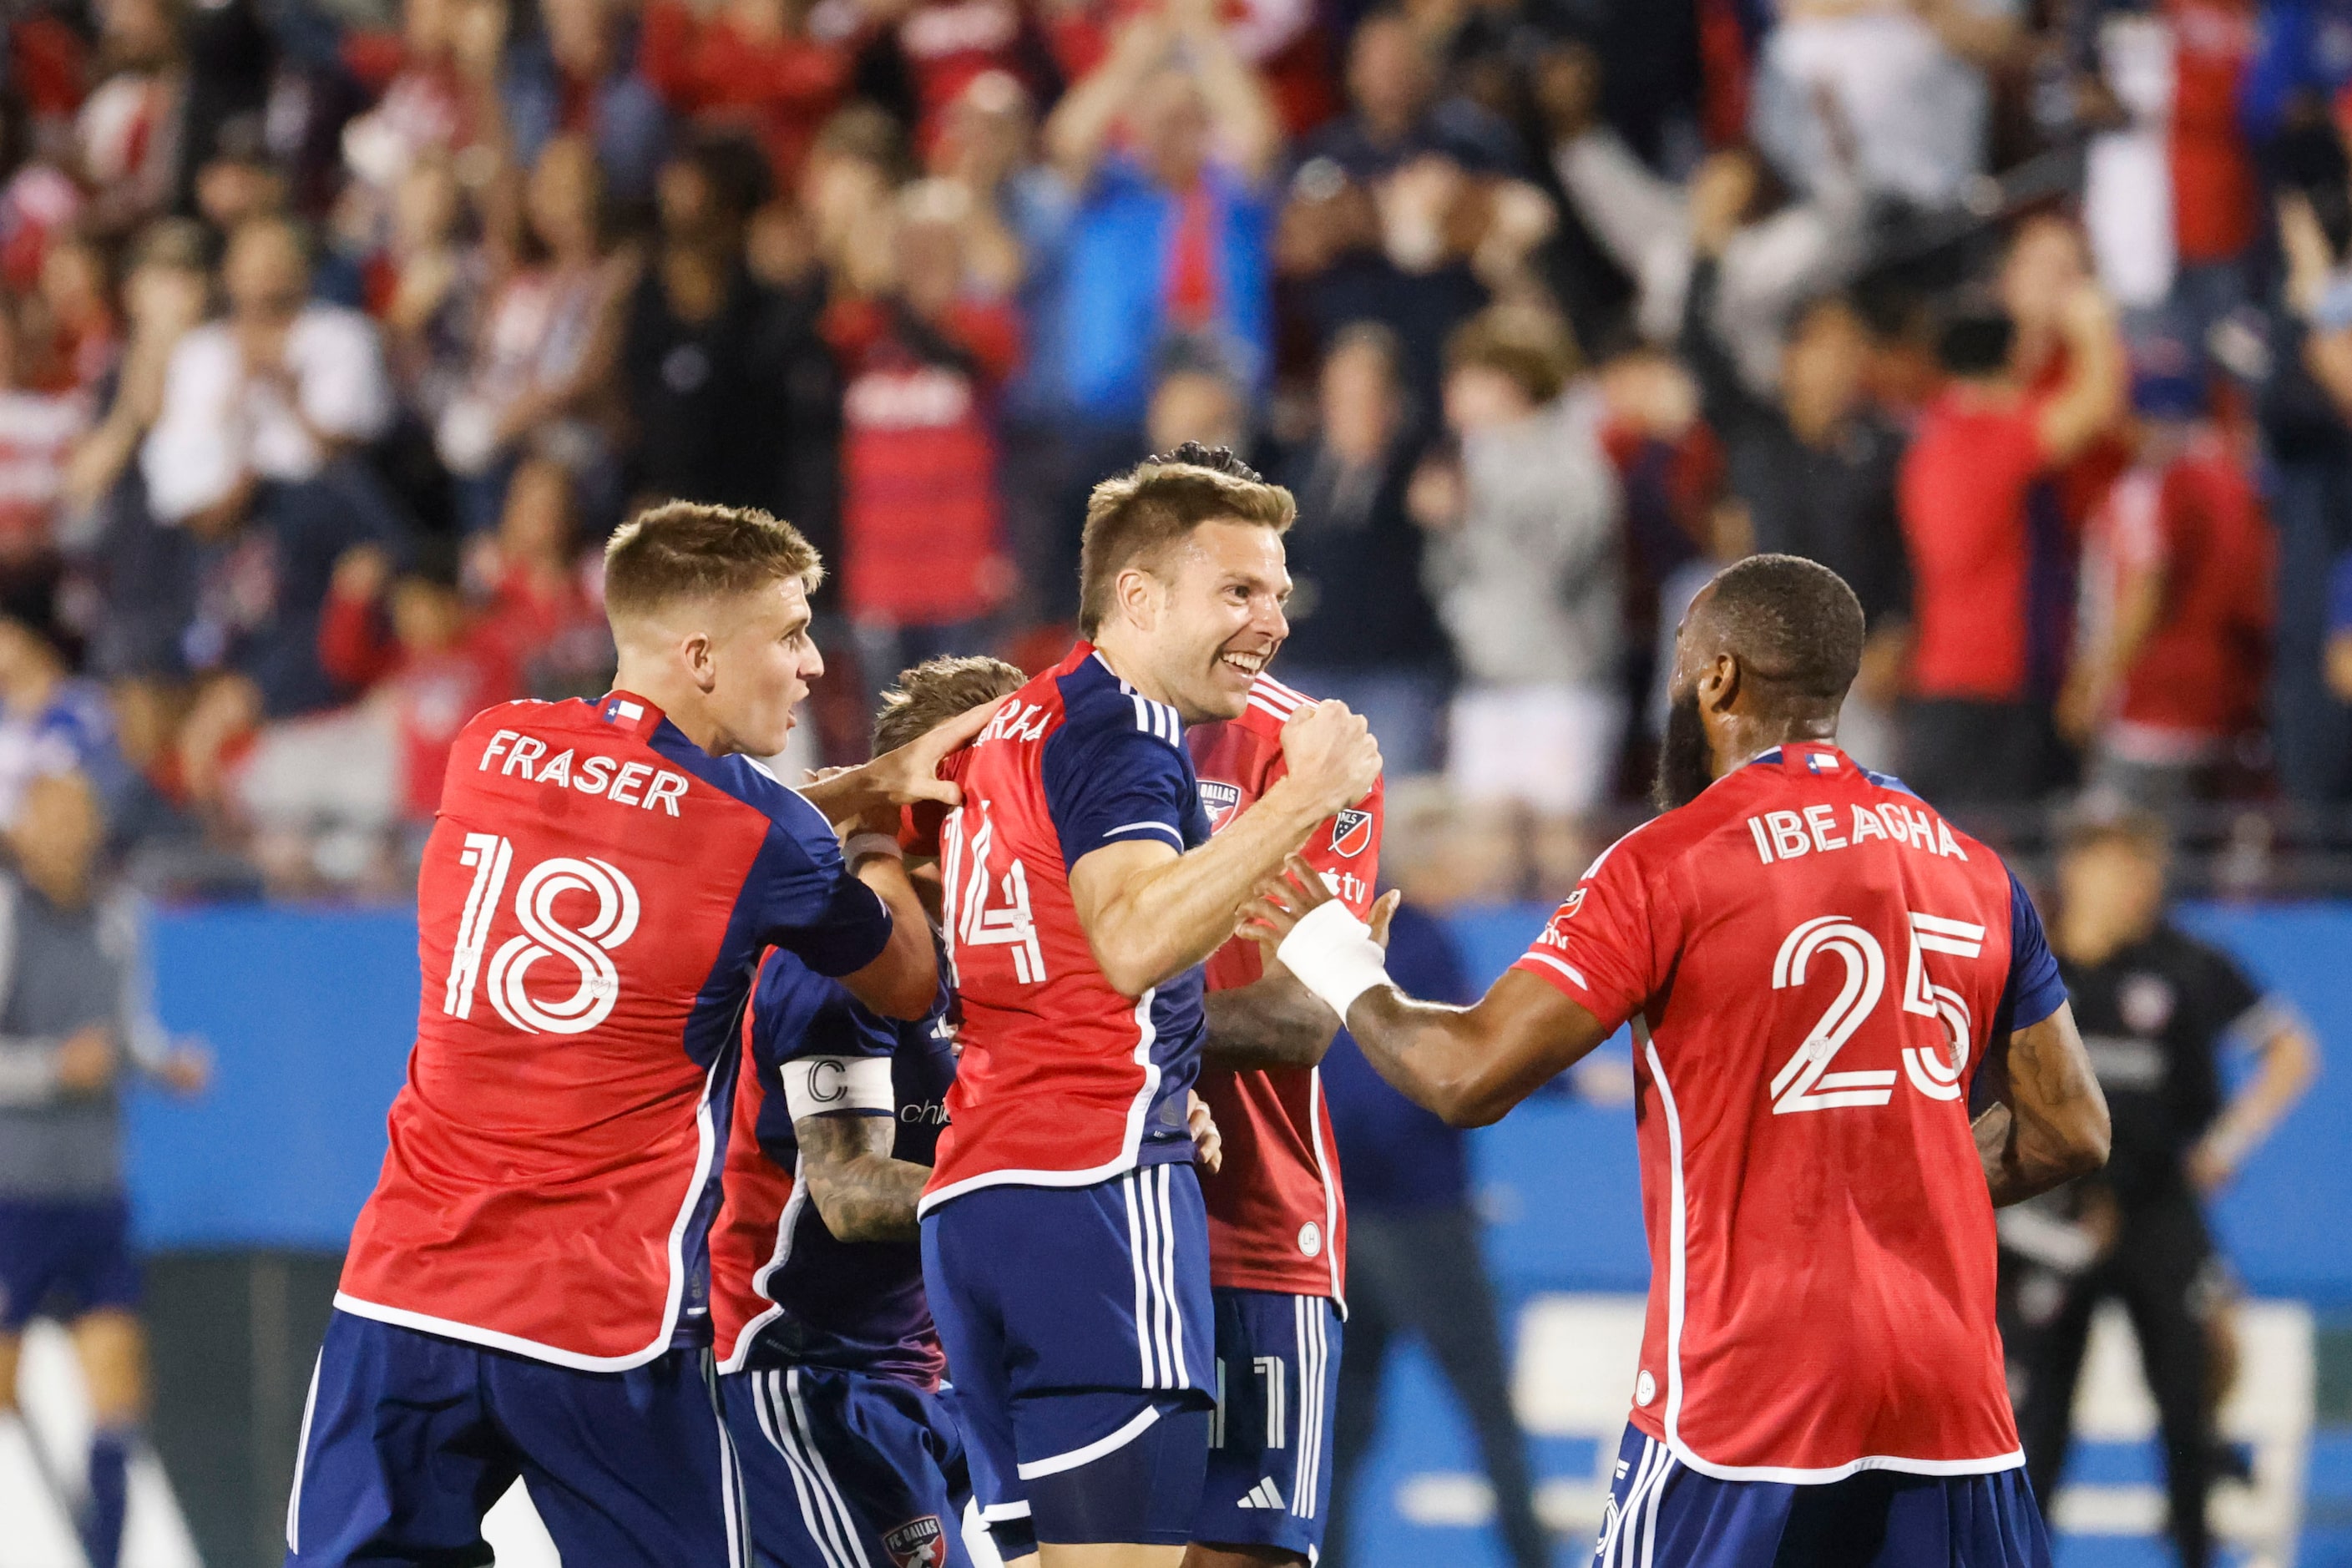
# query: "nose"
1271 621
812 662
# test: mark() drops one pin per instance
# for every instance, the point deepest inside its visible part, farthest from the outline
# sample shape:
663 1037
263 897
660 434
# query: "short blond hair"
938 689
1131 519
687 549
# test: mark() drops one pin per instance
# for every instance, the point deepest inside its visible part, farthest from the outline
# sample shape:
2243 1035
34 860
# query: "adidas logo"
1266 1494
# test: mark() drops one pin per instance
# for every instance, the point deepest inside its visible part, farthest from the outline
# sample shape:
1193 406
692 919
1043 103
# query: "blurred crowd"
337 334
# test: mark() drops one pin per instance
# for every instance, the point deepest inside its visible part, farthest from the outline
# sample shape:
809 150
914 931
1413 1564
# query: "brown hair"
1132 518
1529 345
685 550
935 691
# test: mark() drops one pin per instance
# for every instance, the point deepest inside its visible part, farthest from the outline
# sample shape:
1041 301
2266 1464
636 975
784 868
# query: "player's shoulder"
1099 709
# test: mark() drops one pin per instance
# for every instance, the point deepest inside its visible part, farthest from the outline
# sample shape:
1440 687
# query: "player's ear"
1718 685
695 650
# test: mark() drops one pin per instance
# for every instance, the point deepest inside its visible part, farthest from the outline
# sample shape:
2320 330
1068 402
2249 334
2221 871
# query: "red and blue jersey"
1277 1217
784 1291
594 900
1814 964
1063 1081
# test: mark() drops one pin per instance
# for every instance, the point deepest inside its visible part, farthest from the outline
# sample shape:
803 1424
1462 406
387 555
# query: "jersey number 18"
588 948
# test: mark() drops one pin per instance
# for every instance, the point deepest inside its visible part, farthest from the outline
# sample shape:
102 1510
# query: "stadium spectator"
426 289
252 455
1170 240
1362 629
1977 728
2174 630
922 351
1905 85
579 77
1410 209
125 149
540 592
51 721
749 66
1196 398
541 376
1816 470
2305 408
40 426
74 1016
412 642
2158 1009
1414 1265
1525 560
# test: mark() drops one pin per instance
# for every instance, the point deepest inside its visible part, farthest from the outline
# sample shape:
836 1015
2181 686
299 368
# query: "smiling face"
1209 617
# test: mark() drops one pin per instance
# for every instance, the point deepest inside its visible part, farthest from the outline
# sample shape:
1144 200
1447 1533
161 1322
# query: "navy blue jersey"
784 1290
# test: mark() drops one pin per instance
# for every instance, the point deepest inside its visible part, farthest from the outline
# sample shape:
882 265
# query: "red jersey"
1277 1219
1063 1081
593 900
1962 495
2216 191
1813 963
2197 521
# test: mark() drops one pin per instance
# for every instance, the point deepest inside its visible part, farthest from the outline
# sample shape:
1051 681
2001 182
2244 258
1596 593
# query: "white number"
1804 1082
589 948
974 922
1276 1378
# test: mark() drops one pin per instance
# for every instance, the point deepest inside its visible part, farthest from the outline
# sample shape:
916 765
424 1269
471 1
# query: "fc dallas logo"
1351 832
918 1543
1219 799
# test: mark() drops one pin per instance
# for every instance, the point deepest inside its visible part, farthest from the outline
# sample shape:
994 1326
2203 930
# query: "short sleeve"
1115 784
1596 948
2236 1006
824 1053
808 904
2035 991
1347 849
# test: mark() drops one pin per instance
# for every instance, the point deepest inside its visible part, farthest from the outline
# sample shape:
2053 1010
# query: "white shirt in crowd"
219 424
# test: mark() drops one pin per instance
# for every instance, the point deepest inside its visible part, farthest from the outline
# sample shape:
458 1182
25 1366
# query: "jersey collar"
629 713
1817 759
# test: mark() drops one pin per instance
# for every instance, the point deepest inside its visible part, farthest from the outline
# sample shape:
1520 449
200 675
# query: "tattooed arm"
862 1193
2051 1125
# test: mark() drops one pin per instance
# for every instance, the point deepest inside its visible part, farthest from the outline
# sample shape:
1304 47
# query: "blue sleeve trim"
1118 776
796 1012
2034 990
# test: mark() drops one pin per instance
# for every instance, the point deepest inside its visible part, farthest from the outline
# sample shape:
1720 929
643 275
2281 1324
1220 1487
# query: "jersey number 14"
1804 1082
587 948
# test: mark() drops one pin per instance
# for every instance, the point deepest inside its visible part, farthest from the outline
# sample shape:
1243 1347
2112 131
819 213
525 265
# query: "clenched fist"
1329 750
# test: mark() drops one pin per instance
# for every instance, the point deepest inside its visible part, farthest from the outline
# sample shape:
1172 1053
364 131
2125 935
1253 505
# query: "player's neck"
1742 739
679 702
1124 662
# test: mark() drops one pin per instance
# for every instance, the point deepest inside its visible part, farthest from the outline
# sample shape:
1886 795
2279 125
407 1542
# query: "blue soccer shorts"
409 1438
64 1259
1078 1323
1269 1481
846 1469
1661 1512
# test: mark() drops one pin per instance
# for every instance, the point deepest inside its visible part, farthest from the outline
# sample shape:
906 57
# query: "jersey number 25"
1804 1082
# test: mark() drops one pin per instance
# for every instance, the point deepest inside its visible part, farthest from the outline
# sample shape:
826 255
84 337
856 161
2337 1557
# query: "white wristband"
1334 956
865 846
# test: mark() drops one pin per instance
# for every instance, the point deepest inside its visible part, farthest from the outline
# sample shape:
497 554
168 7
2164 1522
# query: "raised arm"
1150 912
2287 1062
2093 398
1080 126
903 980
2050 1125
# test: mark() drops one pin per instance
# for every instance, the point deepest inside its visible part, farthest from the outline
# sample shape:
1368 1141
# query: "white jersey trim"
1563 967
1130 1142
787 1226
1330 1187
1676 1282
1057 1463
556 1355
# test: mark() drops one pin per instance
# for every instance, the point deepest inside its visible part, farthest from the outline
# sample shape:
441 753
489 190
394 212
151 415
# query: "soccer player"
1817 968
1064 1240
1277 1219
527 1291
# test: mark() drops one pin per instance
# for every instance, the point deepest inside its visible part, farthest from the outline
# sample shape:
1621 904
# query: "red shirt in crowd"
919 512
37 431
2197 521
436 690
782 86
2215 193
1962 495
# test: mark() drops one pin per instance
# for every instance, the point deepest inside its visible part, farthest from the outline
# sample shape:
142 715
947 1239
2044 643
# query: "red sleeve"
665 53
352 647
1347 848
798 70
990 334
1597 947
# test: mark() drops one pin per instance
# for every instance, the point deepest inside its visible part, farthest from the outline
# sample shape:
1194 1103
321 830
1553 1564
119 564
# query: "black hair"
1216 459
1975 341
1791 622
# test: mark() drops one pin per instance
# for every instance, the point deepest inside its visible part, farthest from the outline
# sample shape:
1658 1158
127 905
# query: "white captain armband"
1333 954
820 1085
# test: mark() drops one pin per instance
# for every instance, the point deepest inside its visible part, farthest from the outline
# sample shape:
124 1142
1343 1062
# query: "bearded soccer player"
1819 969
526 1293
1277 1217
1064 1244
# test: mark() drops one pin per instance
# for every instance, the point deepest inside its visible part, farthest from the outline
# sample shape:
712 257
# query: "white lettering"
526 752
1944 843
665 793
1867 825
558 769
594 775
1922 829
1825 834
1897 825
1763 845
1788 833
632 774
498 743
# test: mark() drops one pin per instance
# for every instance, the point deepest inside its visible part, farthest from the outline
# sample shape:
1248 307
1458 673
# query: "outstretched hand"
1283 899
912 771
